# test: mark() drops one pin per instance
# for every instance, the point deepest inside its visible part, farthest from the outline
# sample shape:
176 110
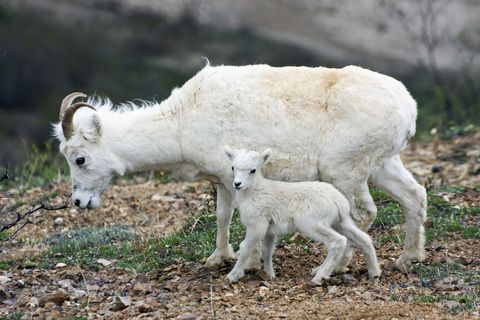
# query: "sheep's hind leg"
399 183
223 251
335 243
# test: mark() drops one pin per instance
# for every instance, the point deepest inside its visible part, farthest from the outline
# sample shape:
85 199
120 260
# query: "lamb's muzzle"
67 110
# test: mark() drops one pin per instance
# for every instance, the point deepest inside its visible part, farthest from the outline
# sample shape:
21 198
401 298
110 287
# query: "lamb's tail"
343 207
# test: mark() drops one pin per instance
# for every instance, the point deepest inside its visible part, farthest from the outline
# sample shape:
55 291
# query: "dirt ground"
187 290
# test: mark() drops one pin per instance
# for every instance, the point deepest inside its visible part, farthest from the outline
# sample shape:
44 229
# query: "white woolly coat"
322 123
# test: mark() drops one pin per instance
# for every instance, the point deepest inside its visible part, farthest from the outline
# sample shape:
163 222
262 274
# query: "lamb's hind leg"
397 181
364 243
363 210
223 251
335 243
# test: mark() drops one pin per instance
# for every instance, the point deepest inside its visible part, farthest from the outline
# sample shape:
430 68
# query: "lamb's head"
91 162
246 166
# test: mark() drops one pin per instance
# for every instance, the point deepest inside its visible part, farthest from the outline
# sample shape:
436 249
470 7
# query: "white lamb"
269 208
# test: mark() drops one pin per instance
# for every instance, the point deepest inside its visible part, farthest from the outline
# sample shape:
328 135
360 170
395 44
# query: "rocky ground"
445 286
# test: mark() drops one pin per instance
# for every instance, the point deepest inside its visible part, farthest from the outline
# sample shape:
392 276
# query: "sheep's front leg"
247 247
223 251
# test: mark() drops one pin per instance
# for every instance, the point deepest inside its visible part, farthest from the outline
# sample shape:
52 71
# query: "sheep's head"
91 163
246 166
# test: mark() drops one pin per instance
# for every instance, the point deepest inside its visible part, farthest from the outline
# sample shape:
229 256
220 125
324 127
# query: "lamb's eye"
80 161
253 171
233 169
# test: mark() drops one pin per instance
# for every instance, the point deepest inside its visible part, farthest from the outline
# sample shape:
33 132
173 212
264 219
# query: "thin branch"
5 175
24 218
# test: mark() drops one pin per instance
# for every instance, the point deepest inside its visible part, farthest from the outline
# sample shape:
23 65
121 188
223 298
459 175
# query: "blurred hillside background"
127 49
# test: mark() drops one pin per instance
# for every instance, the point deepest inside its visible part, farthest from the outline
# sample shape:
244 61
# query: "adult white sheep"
269 208
342 126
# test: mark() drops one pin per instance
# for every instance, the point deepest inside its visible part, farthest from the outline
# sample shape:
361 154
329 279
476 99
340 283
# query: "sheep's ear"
92 130
266 155
229 152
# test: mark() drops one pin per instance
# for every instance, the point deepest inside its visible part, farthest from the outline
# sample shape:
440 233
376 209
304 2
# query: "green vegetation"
43 166
194 242
444 217
89 237
468 300
13 316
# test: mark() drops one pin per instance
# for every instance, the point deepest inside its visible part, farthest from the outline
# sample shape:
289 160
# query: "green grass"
194 242
5 235
43 166
13 316
89 237
389 212
444 217
468 299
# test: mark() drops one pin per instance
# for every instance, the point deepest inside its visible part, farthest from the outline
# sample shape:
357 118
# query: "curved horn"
67 120
68 100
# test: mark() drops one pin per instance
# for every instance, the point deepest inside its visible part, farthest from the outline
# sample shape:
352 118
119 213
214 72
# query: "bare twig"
23 219
5 175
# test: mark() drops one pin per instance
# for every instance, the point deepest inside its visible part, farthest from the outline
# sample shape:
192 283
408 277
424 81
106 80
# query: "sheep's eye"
233 169
80 161
253 171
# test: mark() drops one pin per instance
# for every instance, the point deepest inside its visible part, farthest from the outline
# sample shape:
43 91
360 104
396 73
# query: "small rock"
262 291
77 293
57 297
33 302
164 296
464 261
4 295
92 287
104 262
348 278
4 279
336 280
60 265
187 316
437 259
452 304
58 221
142 287
120 303
475 262
65 283
450 279
159 197
332 289
367 297
437 168
148 305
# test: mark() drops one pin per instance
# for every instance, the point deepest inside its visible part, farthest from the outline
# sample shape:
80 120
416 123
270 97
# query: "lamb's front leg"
268 246
247 247
223 251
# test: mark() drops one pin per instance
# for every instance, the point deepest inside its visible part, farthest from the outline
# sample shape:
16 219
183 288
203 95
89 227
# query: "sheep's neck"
145 139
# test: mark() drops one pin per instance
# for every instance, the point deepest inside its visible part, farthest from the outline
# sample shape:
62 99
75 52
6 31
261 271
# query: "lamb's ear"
229 152
92 129
266 155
